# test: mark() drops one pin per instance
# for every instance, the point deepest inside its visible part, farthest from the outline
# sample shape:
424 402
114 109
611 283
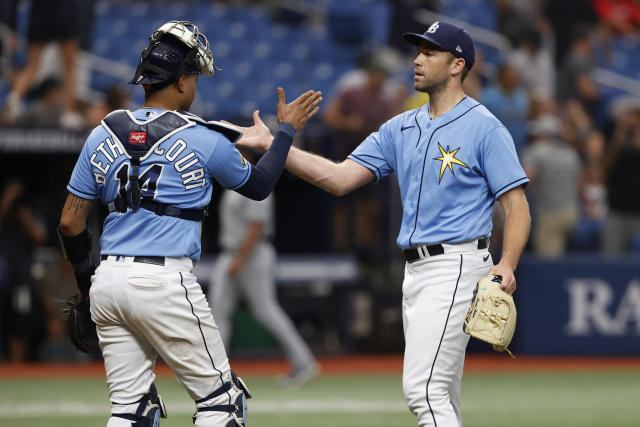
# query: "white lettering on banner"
591 308
629 309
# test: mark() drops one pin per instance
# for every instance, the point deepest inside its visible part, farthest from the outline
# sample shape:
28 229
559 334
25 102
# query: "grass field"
600 398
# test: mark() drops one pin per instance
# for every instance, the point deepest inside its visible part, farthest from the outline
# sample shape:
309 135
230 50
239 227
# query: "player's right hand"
257 136
299 111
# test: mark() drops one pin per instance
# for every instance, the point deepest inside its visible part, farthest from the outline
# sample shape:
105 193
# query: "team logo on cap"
458 49
447 160
433 28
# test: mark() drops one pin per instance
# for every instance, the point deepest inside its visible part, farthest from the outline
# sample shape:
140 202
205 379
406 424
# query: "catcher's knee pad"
237 406
150 409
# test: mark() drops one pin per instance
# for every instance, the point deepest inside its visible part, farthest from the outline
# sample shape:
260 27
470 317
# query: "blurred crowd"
580 152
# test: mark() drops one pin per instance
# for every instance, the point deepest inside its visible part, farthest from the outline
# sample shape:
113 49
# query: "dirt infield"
348 364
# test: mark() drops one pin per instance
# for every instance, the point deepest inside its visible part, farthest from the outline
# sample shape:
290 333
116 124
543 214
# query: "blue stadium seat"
246 44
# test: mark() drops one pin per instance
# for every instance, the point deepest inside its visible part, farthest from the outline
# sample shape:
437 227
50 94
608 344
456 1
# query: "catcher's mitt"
492 315
81 329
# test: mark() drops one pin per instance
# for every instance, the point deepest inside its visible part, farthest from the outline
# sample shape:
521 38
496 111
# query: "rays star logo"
447 160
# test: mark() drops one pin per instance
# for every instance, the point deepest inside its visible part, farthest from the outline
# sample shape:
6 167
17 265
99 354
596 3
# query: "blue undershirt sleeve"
266 172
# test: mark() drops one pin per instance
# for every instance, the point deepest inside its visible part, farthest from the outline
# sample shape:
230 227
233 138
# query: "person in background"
115 98
49 21
353 112
246 268
535 66
553 168
574 77
622 174
508 100
20 302
46 109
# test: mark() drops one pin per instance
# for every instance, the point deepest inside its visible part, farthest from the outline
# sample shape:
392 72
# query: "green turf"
602 399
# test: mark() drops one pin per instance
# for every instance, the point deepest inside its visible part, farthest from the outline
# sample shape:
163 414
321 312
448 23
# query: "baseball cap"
449 37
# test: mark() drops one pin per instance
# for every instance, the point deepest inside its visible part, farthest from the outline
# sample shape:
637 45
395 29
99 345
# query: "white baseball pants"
144 310
437 292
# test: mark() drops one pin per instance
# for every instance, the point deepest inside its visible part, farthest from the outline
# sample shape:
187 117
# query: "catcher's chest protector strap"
230 132
138 139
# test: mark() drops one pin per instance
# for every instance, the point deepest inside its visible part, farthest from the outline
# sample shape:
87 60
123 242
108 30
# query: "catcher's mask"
175 49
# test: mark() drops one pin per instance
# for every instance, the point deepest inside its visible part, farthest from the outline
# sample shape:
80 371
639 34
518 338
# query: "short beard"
432 88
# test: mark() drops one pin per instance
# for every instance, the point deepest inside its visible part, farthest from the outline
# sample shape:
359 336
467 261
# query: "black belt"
155 260
120 205
413 254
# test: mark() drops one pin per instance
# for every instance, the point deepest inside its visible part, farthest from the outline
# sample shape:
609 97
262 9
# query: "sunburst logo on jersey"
447 160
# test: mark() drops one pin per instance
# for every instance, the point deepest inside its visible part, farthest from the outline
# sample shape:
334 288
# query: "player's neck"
163 102
442 101
161 105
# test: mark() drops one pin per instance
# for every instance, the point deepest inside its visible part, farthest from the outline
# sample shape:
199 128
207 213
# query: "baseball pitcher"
453 159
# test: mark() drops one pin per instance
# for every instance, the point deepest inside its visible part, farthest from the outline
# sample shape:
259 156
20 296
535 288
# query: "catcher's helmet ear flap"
174 49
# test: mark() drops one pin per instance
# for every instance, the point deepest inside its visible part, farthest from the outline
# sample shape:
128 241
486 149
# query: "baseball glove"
492 315
81 329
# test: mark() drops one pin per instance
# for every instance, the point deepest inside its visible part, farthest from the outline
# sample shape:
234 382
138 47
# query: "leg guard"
150 409
237 407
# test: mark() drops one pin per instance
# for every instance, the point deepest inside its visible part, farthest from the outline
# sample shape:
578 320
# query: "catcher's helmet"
174 49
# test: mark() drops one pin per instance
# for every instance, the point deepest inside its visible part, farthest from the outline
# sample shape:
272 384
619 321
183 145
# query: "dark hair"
465 73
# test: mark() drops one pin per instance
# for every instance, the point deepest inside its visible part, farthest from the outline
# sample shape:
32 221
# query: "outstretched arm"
336 178
292 118
517 225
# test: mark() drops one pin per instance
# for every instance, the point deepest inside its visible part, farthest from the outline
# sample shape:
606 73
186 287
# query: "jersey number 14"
148 180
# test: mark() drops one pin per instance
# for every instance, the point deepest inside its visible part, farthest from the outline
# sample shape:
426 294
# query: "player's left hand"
508 283
257 136
299 111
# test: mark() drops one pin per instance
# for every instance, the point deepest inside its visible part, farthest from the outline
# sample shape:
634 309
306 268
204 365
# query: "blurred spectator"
513 16
387 62
593 195
246 269
578 126
534 65
574 78
622 171
20 302
354 111
49 21
46 108
553 168
618 16
116 98
565 16
8 34
508 101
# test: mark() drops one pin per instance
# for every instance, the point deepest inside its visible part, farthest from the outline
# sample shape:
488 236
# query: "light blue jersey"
178 171
450 169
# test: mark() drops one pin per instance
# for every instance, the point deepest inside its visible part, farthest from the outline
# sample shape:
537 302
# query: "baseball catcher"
492 315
